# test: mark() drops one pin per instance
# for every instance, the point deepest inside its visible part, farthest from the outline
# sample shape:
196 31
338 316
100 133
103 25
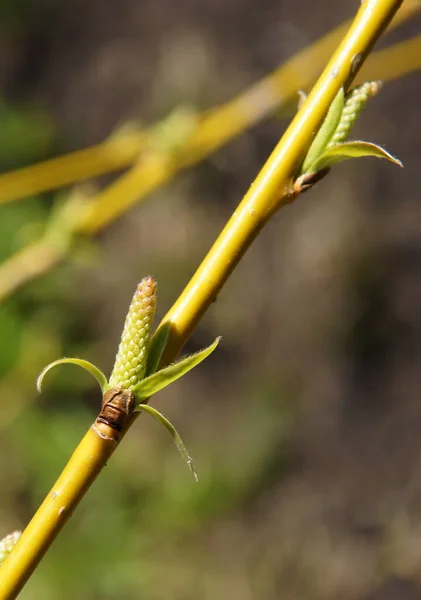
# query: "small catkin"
7 544
355 101
130 363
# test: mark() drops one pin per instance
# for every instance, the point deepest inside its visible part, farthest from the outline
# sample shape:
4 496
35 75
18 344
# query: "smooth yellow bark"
82 469
273 186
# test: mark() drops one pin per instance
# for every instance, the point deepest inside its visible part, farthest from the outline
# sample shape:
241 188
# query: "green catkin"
7 544
355 101
130 363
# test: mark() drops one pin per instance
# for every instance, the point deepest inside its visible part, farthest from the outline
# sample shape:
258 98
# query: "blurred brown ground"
306 422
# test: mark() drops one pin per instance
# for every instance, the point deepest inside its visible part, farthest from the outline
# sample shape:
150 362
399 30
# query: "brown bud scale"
118 405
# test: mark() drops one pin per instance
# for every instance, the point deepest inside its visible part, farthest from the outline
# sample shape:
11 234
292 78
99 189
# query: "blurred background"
304 425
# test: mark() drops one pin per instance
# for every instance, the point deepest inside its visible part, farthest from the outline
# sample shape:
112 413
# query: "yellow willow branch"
157 169
82 469
113 154
394 62
272 187
215 129
221 125
270 190
29 263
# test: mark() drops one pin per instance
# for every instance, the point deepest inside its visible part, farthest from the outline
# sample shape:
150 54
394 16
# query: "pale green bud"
7 544
130 363
355 101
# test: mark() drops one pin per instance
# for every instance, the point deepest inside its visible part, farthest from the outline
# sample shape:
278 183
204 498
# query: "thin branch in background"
215 127
155 169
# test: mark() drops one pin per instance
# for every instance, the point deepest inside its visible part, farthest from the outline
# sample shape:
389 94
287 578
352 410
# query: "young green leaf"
92 369
348 150
152 384
325 133
156 348
174 434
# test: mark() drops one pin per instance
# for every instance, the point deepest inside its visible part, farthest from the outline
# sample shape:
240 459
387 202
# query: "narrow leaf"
158 343
152 384
325 133
92 369
349 150
174 434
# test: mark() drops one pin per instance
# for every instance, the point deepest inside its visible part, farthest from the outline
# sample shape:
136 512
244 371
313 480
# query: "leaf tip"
41 376
193 470
39 381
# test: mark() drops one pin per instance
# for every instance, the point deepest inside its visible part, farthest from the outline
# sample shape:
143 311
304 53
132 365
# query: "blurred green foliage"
27 135
14 12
